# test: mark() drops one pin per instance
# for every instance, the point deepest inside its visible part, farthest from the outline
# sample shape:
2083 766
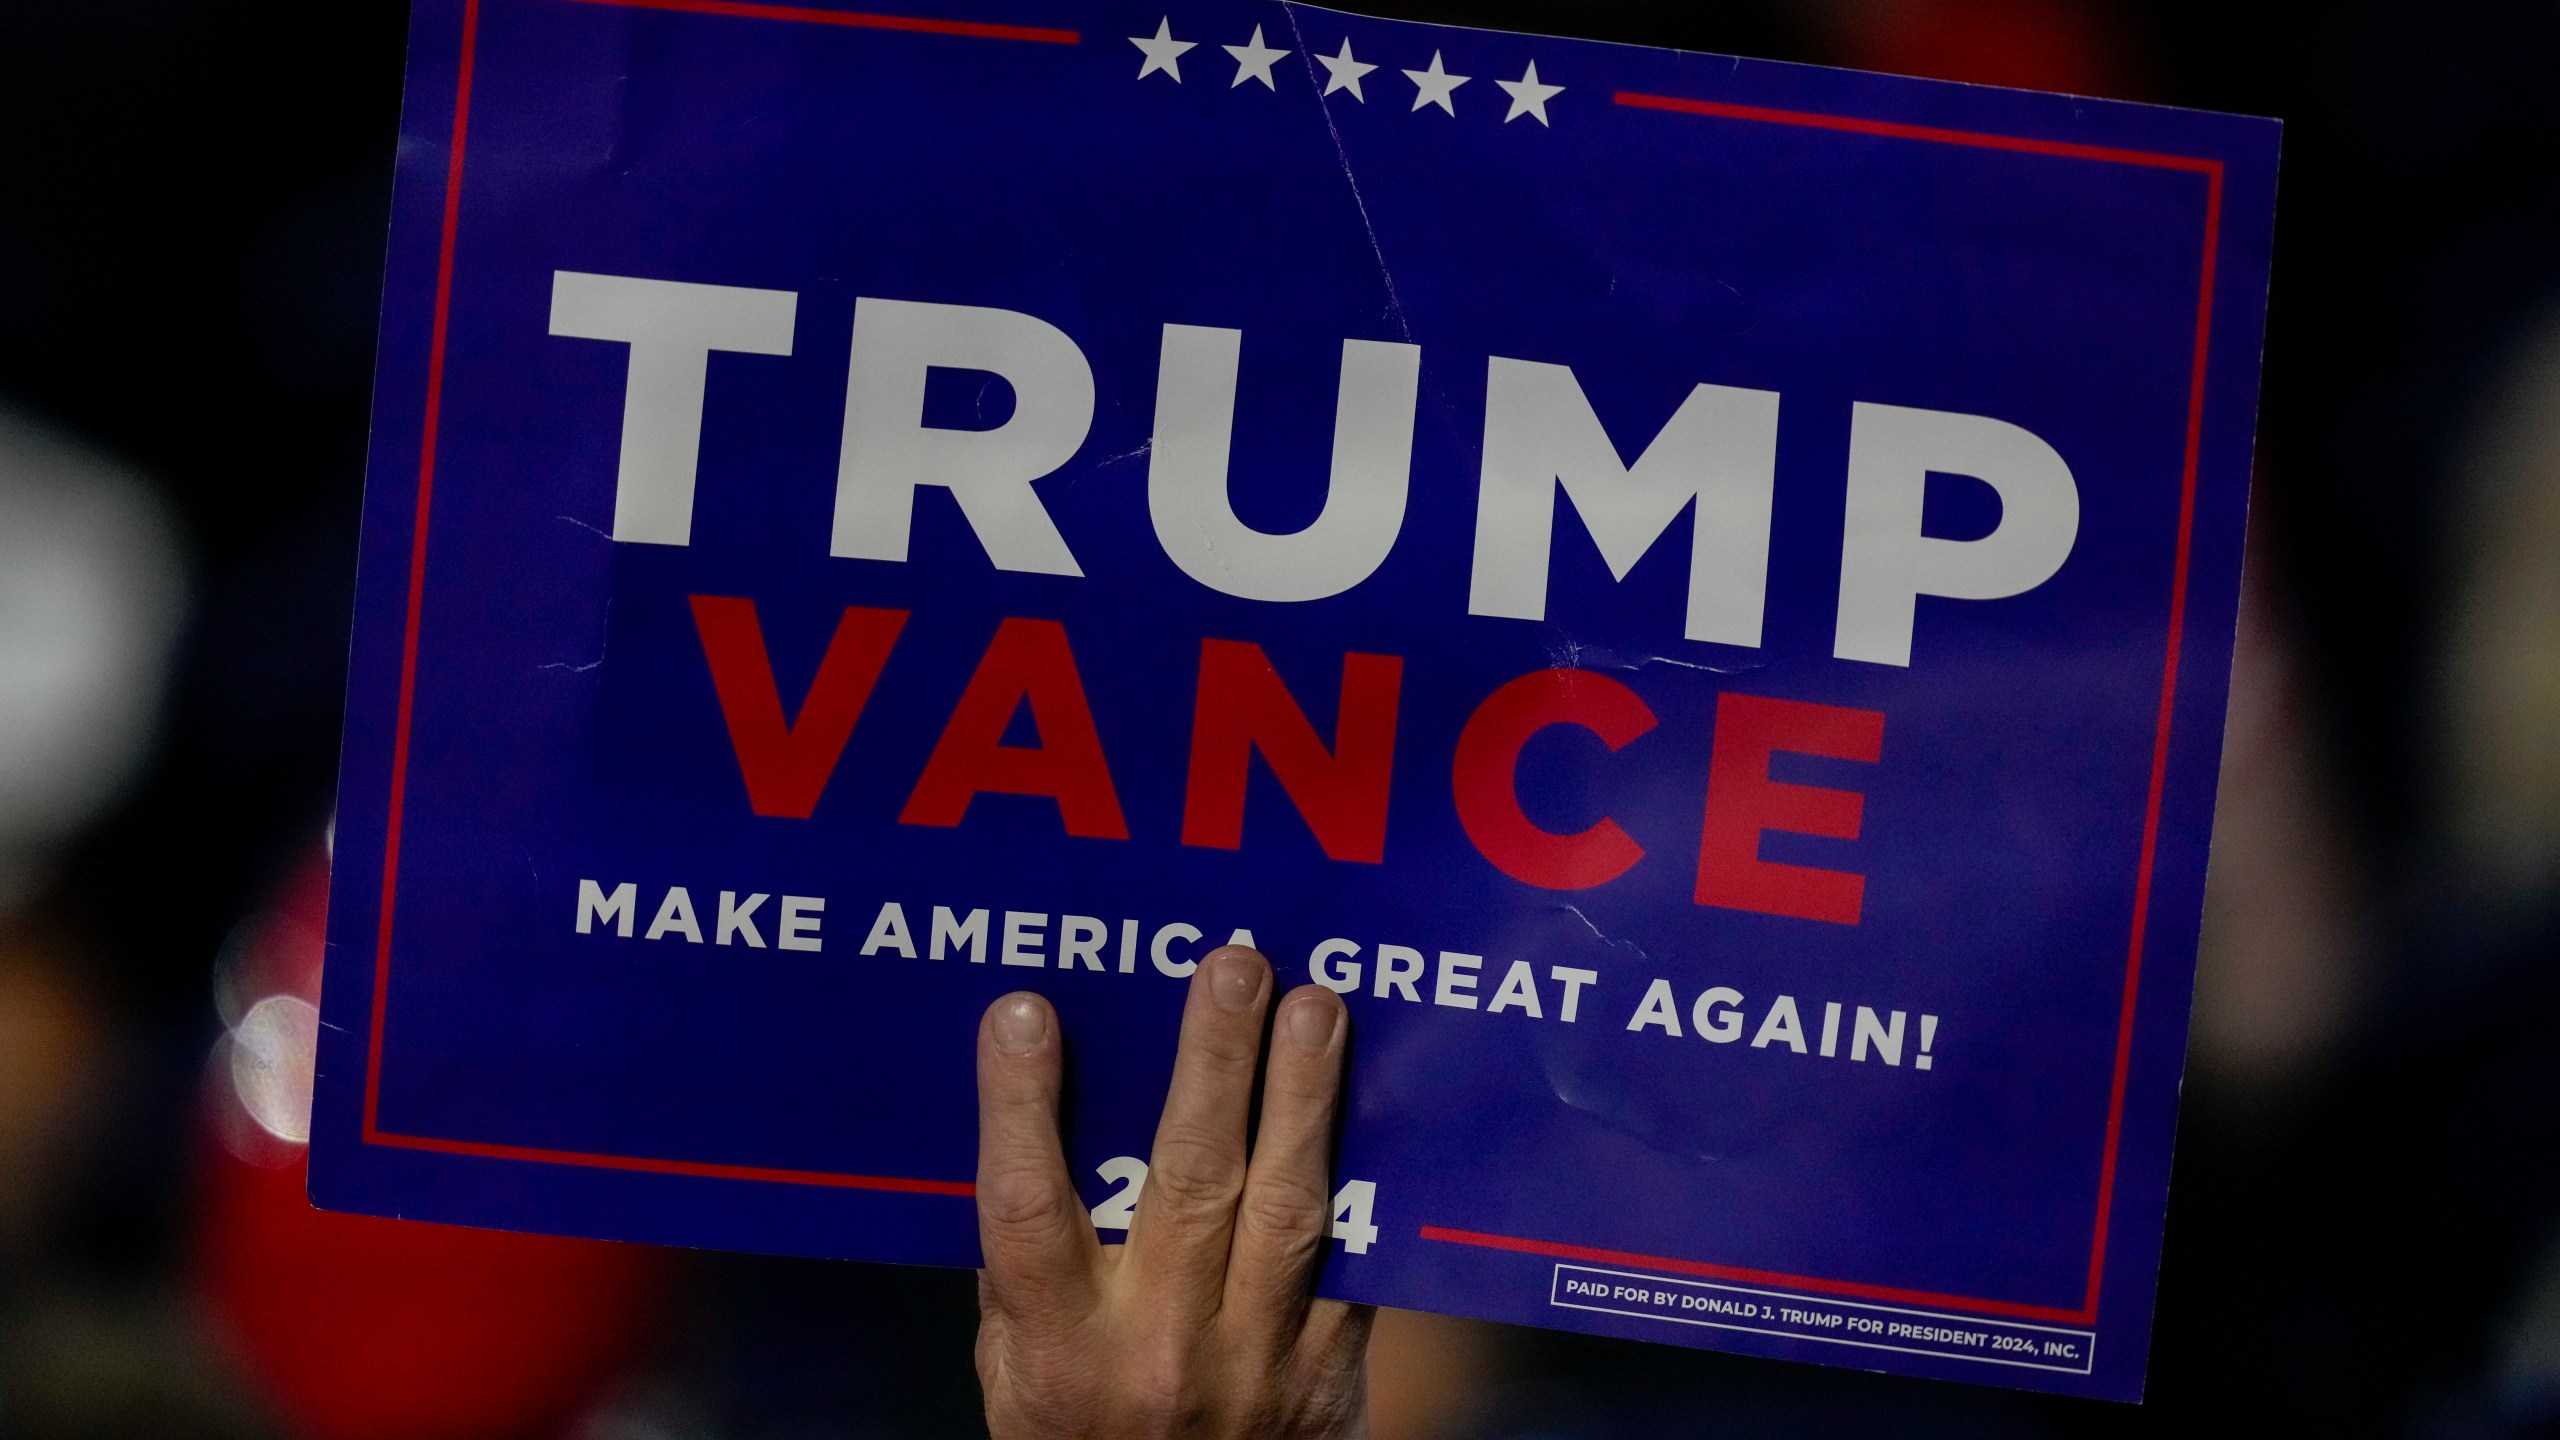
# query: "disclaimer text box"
1809 1317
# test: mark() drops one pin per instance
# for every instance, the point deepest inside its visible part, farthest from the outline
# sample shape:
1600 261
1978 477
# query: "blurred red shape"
364 1329
2066 45
357 1328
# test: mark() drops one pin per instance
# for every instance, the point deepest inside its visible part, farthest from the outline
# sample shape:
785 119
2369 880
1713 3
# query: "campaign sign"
1697 593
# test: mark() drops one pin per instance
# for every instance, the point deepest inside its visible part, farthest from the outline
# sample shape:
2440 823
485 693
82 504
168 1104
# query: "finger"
1286 1210
1177 1250
1040 1249
1333 1350
1339 1325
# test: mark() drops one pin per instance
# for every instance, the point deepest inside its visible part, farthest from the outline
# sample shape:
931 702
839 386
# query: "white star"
1432 86
1163 52
1344 73
1528 97
1253 61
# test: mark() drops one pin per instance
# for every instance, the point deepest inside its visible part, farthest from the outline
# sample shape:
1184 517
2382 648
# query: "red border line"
1737 1273
1976 139
418 566
2160 748
743 9
2212 170
827 1178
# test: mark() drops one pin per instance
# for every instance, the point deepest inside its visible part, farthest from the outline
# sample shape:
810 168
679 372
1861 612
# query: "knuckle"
1289 1209
1021 1202
1195 1168
988 1353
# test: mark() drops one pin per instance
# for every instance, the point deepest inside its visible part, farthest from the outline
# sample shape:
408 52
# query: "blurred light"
2501 698
275 951
266 989
271 1064
240 1136
2281 967
91 585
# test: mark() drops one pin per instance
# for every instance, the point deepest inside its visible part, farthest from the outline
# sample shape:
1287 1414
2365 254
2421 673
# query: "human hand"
1204 1323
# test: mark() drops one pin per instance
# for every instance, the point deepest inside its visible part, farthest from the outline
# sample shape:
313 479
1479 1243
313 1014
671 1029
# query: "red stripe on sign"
828 1179
1859 125
418 565
2160 742
744 9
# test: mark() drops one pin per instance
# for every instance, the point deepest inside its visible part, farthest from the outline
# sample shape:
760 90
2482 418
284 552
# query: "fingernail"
1235 979
1312 1024
1021 1023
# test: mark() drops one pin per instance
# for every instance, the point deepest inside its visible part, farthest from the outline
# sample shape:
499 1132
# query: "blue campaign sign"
1697 593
